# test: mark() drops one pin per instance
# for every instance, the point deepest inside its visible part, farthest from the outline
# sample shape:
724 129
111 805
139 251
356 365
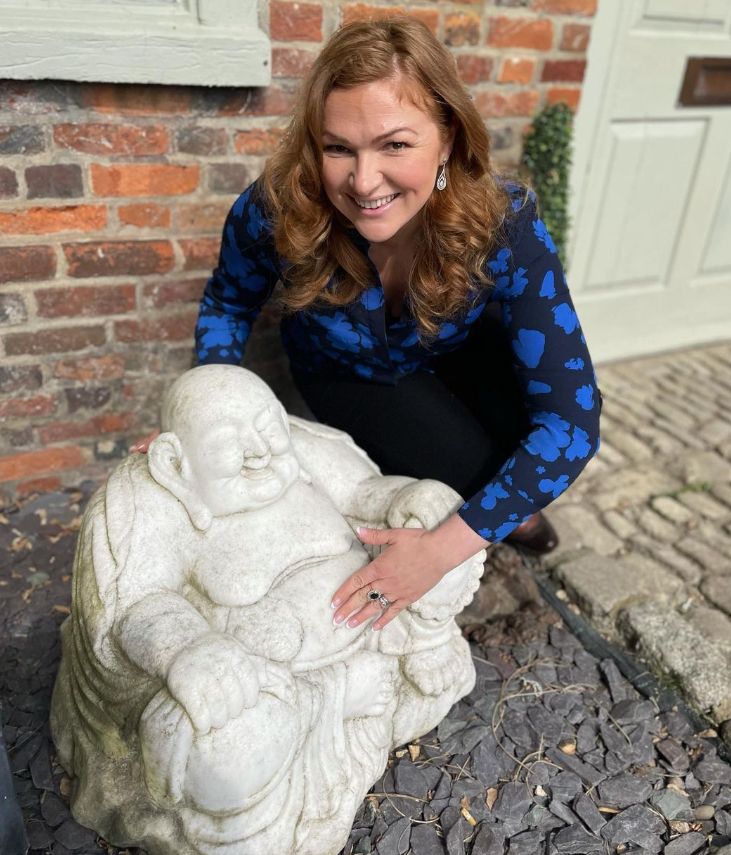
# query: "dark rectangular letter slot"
707 82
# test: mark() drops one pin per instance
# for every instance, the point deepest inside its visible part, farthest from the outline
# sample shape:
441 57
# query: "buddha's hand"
213 679
424 504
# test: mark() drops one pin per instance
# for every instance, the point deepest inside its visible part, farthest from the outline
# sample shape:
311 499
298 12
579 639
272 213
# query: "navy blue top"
550 354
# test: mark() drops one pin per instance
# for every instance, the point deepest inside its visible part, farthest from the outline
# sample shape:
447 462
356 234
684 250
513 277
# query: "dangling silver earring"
442 177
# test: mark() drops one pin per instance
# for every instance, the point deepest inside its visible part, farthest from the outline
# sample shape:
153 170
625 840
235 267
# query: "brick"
200 218
517 70
513 3
119 258
17 466
101 424
59 180
228 177
107 139
162 328
712 562
566 7
22 139
462 29
143 179
201 253
37 97
563 71
564 95
619 524
264 101
704 505
633 486
163 294
718 591
203 141
295 21
43 221
575 37
54 340
672 510
14 378
669 557
87 397
40 405
474 69
497 104
291 62
26 263
655 526
533 33
8 183
631 447
38 485
145 215
137 100
257 142
12 438
12 310
363 12
107 367
85 301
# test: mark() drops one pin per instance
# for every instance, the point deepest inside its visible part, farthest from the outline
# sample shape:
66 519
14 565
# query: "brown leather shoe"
535 535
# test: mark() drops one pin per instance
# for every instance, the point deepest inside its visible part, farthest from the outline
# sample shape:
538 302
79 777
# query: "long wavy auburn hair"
460 226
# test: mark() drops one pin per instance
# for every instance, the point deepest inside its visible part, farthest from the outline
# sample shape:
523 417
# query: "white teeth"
377 203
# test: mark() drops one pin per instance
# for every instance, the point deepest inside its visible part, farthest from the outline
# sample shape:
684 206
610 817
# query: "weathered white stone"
703 504
712 624
657 527
206 704
587 530
676 647
604 585
713 562
619 524
703 467
633 486
718 591
672 510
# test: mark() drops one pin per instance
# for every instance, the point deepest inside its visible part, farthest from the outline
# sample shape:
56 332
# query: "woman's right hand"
143 444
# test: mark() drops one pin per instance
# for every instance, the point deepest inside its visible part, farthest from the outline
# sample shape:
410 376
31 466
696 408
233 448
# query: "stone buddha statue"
206 703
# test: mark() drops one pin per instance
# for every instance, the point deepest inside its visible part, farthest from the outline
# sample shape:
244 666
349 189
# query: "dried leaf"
414 752
400 753
490 797
64 610
4 520
679 826
64 787
42 515
568 746
604 809
20 542
709 733
468 816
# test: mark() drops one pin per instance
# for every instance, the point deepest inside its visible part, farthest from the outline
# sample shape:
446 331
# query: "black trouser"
458 425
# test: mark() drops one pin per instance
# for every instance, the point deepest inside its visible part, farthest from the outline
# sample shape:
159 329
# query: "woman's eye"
398 146
336 149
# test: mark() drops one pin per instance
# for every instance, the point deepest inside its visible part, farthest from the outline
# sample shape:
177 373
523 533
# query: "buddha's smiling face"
242 461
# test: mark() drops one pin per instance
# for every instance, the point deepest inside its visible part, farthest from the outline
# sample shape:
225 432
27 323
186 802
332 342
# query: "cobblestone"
664 493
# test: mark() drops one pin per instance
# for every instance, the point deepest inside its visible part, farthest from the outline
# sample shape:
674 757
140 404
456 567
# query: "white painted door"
650 254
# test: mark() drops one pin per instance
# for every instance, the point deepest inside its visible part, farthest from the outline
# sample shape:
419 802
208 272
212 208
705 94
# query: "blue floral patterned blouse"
550 353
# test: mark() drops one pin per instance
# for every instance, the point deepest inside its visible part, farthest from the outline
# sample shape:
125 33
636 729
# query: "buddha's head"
225 443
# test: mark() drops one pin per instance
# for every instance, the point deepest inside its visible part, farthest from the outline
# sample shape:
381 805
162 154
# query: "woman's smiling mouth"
375 204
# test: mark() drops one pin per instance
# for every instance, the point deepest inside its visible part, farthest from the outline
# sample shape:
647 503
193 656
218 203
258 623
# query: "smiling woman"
426 311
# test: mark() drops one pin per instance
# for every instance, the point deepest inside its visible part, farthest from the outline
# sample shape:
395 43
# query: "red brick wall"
112 199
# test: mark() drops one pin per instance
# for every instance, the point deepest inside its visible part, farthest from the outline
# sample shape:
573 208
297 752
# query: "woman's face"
381 156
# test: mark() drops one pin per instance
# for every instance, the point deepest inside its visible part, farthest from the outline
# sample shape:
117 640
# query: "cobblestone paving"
646 531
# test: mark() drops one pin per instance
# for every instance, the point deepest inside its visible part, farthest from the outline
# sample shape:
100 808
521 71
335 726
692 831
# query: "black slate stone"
711 770
624 790
612 738
425 841
618 687
512 802
410 780
677 725
672 805
54 810
489 840
563 812
588 774
631 711
74 836
515 726
526 843
685 844
465 740
39 836
547 724
723 823
396 840
565 785
585 808
636 824
577 840
40 769
455 839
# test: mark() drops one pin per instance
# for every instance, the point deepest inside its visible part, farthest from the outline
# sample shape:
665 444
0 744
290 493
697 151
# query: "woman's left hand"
412 562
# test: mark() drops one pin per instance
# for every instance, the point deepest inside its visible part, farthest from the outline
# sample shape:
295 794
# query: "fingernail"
359 530
335 603
353 622
375 628
338 620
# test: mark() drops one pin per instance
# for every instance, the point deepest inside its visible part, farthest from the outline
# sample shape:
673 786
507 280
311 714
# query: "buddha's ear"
165 461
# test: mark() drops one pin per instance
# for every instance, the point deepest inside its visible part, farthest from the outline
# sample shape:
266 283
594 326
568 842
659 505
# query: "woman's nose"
365 177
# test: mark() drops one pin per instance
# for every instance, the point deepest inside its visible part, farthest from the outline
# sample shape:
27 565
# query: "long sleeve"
247 271
554 369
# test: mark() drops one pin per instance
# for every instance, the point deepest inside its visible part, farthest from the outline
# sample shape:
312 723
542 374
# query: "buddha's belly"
309 591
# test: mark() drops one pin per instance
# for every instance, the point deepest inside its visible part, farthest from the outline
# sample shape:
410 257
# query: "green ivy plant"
547 159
